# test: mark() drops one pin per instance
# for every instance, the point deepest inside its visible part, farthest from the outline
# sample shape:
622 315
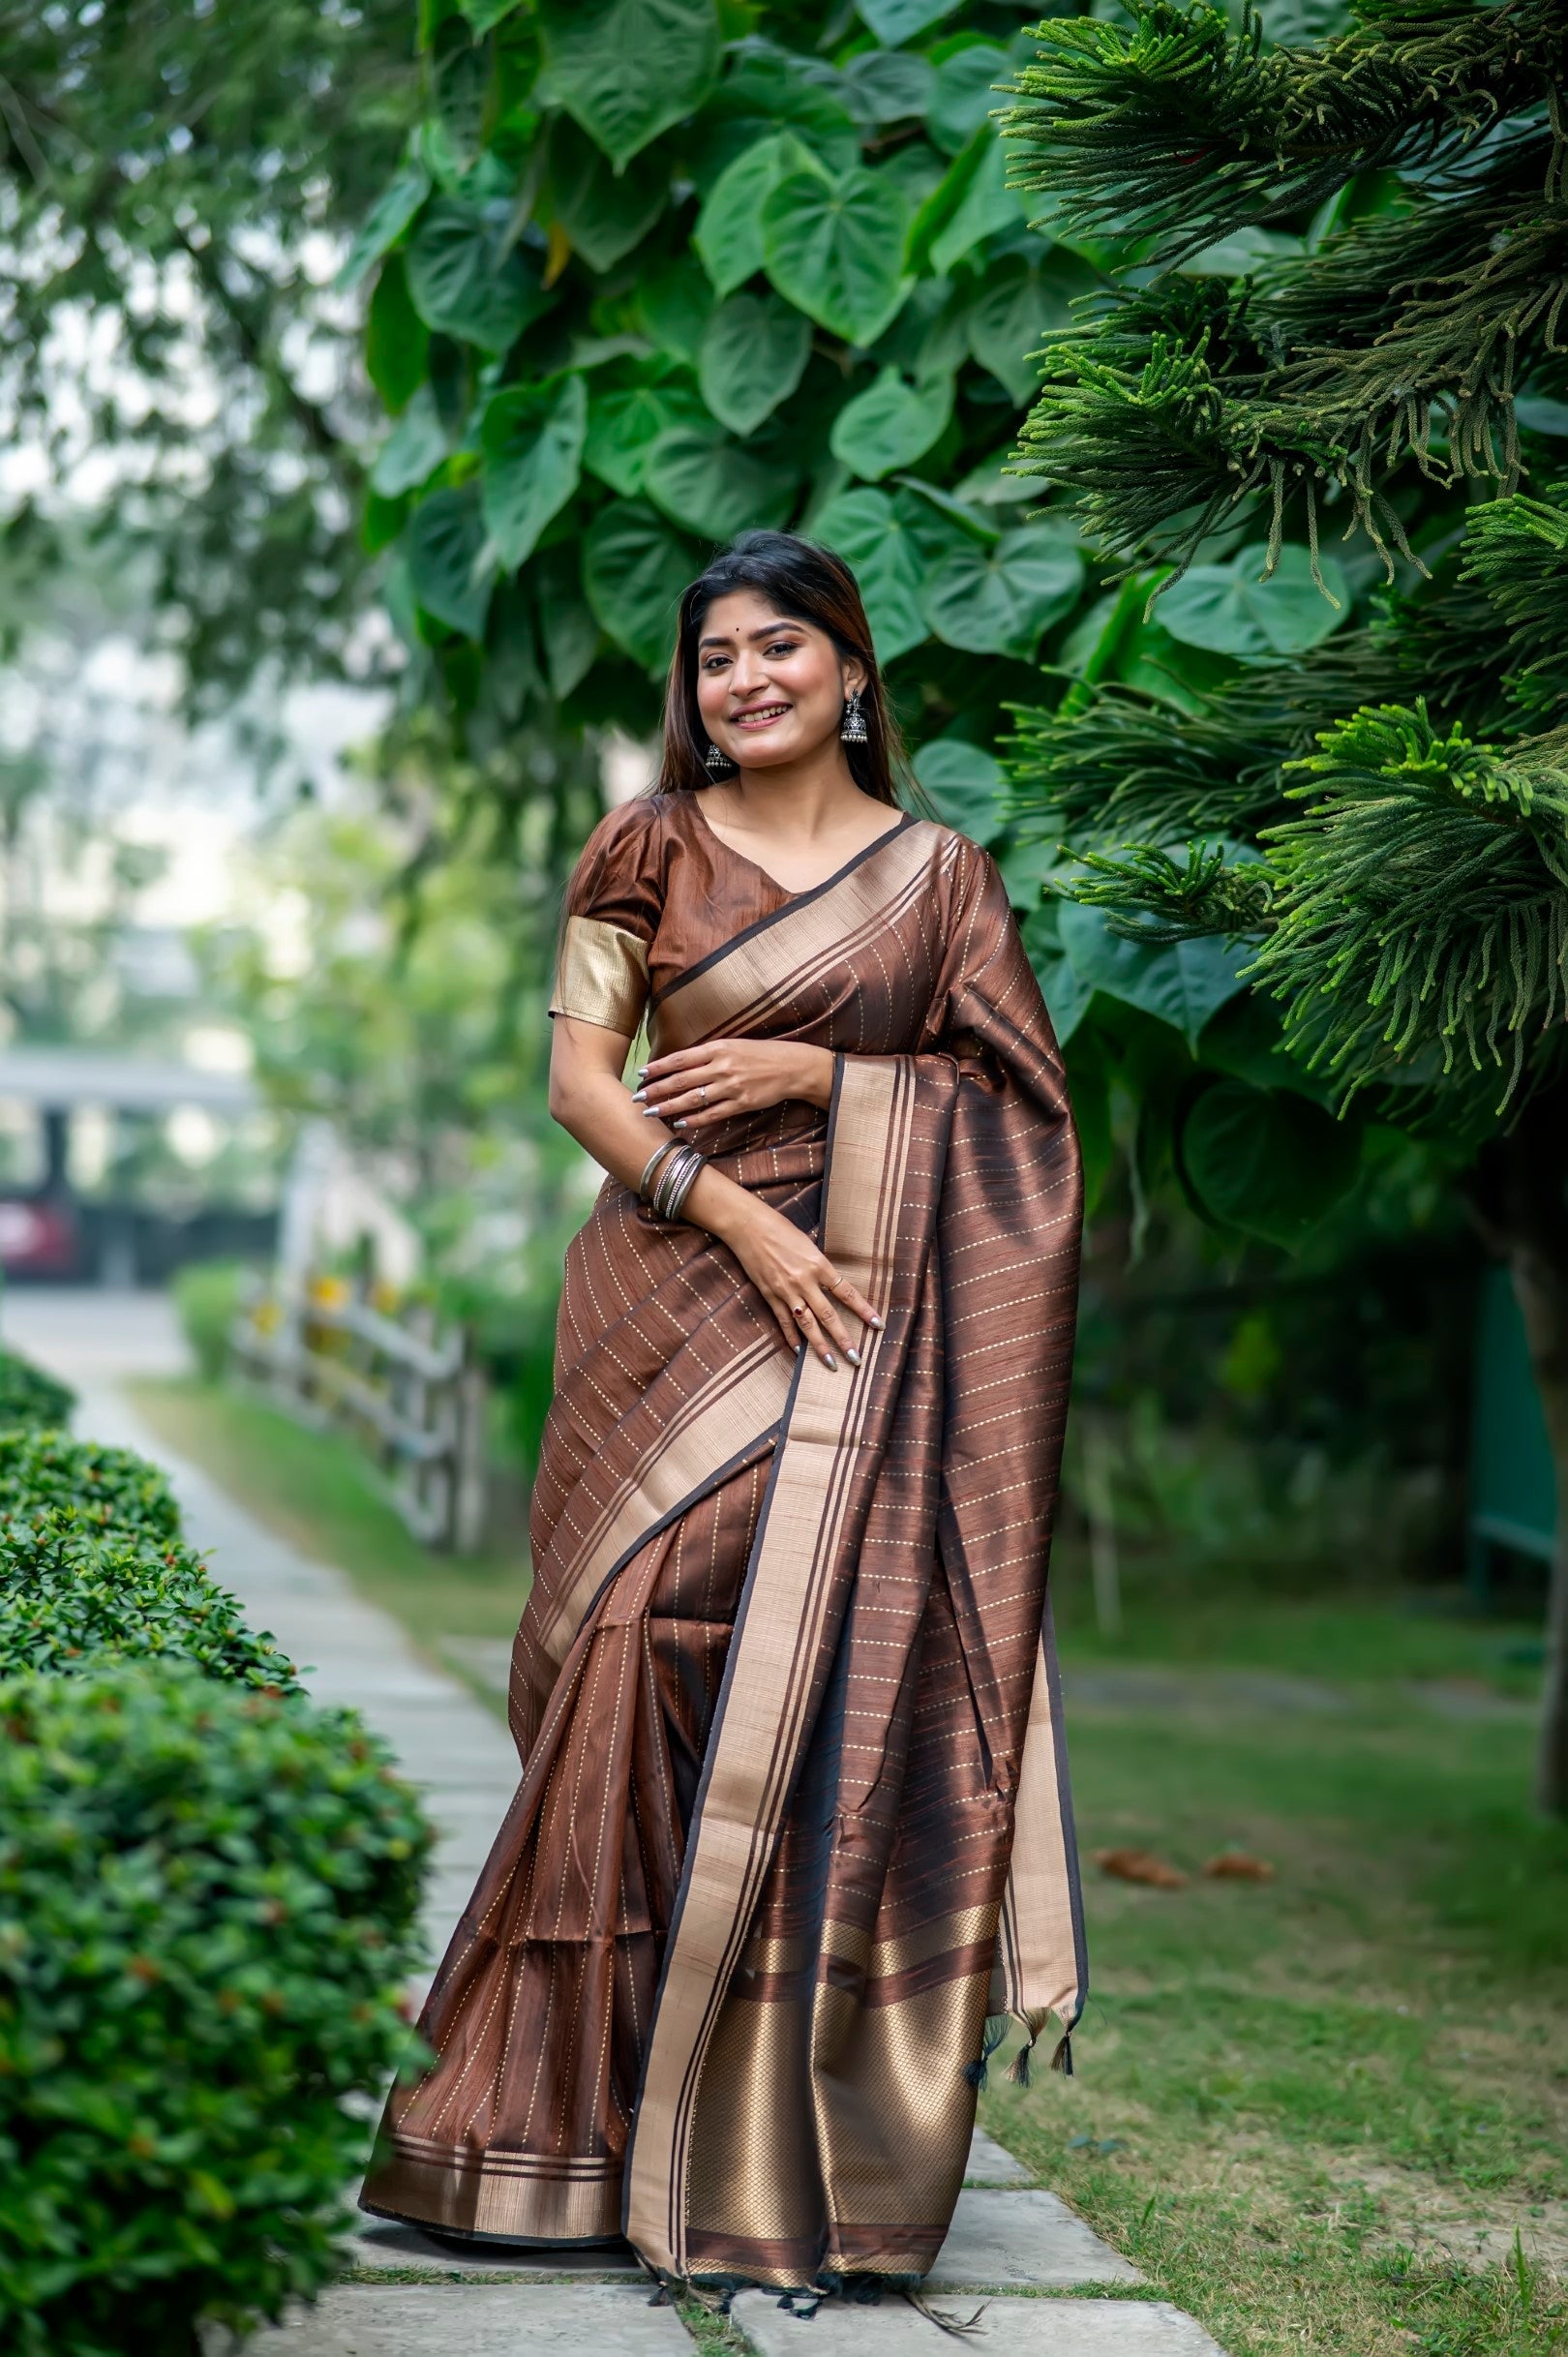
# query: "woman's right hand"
800 1286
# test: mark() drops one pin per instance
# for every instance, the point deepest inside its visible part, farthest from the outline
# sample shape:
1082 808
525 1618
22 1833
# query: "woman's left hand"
696 1087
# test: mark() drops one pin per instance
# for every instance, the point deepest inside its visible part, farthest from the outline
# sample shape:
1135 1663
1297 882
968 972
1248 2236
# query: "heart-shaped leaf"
769 89
986 205
568 629
963 94
634 570
1014 312
834 249
967 785
998 600
674 305
873 537
627 69
413 449
459 286
728 231
891 424
397 341
602 213
1182 985
887 85
896 20
531 436
385 222
1231 610
624 426
447 553
715 487
754 354
1267 1163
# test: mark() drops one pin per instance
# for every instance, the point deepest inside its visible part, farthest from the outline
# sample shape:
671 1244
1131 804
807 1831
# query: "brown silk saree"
793 1826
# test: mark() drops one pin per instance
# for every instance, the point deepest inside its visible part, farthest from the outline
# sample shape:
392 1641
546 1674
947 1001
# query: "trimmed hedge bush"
71 1598
109 1486
29 1395
209 1901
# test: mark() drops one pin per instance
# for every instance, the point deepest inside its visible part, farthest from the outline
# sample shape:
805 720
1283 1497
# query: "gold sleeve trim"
602 977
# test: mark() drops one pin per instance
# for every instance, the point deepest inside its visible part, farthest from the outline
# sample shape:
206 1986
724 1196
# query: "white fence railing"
410 1394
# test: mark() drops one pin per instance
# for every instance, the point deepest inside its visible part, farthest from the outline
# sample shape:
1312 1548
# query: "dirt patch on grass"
1445 2221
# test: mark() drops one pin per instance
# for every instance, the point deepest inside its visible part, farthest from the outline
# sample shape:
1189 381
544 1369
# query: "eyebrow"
781 621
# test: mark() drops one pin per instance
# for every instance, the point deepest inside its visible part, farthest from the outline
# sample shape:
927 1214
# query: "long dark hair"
798 579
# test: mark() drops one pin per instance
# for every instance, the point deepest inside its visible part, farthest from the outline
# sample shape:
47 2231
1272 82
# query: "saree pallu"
793 1826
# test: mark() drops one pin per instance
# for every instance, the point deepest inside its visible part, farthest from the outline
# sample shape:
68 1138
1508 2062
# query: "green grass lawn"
1298 2102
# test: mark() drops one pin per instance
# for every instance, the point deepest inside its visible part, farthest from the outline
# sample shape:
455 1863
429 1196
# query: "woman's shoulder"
957 854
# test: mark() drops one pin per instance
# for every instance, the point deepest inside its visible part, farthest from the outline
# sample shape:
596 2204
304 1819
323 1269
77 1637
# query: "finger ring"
798 1308
702 1098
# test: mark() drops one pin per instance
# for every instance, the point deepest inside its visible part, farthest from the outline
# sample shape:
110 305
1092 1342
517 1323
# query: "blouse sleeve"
613 908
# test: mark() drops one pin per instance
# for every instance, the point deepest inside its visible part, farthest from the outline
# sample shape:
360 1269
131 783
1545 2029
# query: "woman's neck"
799 800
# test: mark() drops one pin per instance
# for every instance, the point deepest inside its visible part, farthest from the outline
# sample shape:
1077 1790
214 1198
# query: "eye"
783 645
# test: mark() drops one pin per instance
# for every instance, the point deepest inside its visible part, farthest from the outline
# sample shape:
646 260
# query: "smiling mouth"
764 716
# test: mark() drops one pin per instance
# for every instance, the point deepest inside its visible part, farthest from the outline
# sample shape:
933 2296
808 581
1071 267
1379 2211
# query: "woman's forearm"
597 1110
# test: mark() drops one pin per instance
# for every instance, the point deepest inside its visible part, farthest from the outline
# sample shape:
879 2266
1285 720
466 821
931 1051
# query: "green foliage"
207 1298
94 1486
1186 130
183 190
698 269
1410 925
207 1910
29 1395
1393 335
72 1599
1425 894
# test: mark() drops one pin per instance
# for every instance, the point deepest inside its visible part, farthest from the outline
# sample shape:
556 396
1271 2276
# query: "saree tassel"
977 2073
1061 2059
959 2327
1018 2069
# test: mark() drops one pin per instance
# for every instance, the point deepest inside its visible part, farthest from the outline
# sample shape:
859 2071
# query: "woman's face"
769 689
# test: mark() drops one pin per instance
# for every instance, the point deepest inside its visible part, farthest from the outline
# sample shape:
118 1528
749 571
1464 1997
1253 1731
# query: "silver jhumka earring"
717 762
854 730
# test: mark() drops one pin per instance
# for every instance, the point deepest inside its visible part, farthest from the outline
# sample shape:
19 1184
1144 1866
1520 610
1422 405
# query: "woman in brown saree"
793 1835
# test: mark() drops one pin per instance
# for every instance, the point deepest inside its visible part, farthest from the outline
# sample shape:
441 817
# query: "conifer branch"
1182 131
1421 904
1517 550
1157 897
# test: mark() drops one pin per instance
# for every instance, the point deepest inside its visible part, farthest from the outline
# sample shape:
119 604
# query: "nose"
749 674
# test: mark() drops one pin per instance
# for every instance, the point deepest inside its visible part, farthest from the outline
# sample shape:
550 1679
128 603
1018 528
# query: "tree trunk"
1531 1216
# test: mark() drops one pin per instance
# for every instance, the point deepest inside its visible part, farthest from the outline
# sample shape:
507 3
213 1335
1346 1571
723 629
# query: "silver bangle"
685 1183
659 1154
675 1182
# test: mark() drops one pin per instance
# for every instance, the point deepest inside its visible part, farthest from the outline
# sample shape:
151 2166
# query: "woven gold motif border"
762 1724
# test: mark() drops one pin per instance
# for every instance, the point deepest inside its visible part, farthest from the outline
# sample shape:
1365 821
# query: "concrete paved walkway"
1007 2236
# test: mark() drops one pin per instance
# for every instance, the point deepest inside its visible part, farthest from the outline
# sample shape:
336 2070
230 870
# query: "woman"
793 1828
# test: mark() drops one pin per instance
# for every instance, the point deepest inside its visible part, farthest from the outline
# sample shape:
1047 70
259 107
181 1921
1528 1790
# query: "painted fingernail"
853 1357
879 1323
831 1361
639 1095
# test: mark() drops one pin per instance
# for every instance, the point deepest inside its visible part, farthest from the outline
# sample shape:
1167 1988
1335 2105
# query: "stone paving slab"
991 2164
477 2320
381 2247
1029 2242
1003 2328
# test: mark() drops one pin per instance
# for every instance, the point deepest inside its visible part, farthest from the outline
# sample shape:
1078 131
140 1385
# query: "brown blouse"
654 891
